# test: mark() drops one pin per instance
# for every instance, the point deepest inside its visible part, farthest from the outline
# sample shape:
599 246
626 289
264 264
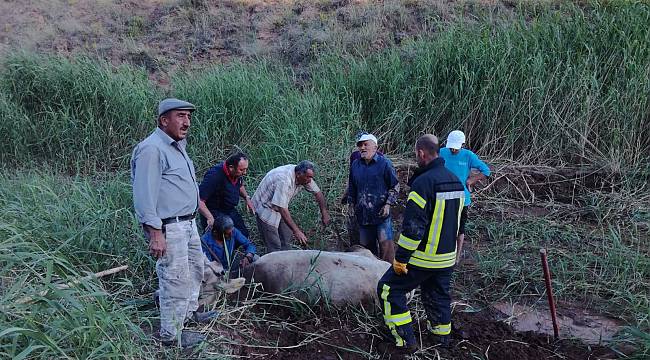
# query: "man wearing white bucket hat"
461 162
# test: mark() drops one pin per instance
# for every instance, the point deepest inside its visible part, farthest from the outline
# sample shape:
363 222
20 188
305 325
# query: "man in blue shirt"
461 162
351 223
221 188
221 243
372 189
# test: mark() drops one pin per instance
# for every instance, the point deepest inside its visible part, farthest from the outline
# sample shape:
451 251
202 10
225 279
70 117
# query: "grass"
552 90
53 230
546 90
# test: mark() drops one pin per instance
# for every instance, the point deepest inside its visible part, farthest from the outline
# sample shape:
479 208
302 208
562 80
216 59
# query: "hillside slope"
164 34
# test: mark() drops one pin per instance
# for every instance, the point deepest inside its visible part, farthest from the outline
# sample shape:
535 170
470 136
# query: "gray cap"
174 104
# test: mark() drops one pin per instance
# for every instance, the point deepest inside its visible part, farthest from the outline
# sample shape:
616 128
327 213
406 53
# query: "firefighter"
426 252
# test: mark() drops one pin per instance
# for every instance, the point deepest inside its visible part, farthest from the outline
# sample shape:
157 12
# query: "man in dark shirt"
372 189
221 188
426 251
351 223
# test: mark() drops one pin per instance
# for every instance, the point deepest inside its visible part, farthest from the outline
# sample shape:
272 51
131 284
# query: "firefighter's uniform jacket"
428 246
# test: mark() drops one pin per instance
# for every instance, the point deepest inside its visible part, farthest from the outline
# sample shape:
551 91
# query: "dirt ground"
163 35
262 327
340 336
477 334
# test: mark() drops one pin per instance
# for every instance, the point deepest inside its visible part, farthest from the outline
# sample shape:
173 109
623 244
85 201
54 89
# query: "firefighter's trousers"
434 288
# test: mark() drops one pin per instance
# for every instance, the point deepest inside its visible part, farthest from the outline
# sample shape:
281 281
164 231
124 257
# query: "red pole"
549 293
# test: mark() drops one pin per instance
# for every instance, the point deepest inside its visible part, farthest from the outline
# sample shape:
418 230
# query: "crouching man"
222 243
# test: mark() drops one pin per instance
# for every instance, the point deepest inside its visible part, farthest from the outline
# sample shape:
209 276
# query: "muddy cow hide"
312 275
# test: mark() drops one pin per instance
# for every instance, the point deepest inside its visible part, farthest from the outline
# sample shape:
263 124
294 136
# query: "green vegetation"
571 86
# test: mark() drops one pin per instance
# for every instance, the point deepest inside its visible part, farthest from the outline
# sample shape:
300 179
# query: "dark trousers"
353 229
234 215
434 287
275 238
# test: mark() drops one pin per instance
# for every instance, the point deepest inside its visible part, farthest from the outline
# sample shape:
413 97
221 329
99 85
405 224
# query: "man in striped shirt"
271 202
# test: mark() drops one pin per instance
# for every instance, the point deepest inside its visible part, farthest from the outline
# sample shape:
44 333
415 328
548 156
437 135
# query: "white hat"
455 139
365 137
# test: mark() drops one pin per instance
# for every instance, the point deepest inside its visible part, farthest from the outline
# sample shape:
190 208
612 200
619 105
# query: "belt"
176 219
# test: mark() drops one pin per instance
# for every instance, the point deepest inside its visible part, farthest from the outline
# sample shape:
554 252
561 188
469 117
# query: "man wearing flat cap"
166 197
372 189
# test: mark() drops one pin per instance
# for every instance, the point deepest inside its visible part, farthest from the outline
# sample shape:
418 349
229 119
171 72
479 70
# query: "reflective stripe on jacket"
431 218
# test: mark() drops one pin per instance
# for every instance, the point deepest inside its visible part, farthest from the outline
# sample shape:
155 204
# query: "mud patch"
353 333
573 323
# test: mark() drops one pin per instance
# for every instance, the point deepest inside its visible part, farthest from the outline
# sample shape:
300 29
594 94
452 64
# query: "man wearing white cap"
166 198
372 189
461 162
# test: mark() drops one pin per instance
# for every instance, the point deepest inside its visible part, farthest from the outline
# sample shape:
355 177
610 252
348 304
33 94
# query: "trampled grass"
556 90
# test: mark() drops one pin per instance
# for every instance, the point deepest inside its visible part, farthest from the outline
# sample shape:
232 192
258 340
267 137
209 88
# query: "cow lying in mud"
340 278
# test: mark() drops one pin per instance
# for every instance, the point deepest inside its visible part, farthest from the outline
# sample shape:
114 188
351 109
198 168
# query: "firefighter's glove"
399 268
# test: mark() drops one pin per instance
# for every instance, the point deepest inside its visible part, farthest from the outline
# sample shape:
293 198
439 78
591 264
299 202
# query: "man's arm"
390 177
280 203
249 202
477 164
157 241
415 223
147 175
207 188
203 209
248 246
249 249
322 204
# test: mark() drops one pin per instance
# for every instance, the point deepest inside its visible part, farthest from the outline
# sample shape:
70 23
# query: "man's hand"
157 243
300 236
249 205
209 223
325 218
399 268
246 260
470 183
385 211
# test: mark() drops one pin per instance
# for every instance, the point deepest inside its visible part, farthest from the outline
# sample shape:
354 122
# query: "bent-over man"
221 188
221 244
271 201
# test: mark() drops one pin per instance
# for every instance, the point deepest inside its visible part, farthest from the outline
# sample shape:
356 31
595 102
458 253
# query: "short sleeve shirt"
218 191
